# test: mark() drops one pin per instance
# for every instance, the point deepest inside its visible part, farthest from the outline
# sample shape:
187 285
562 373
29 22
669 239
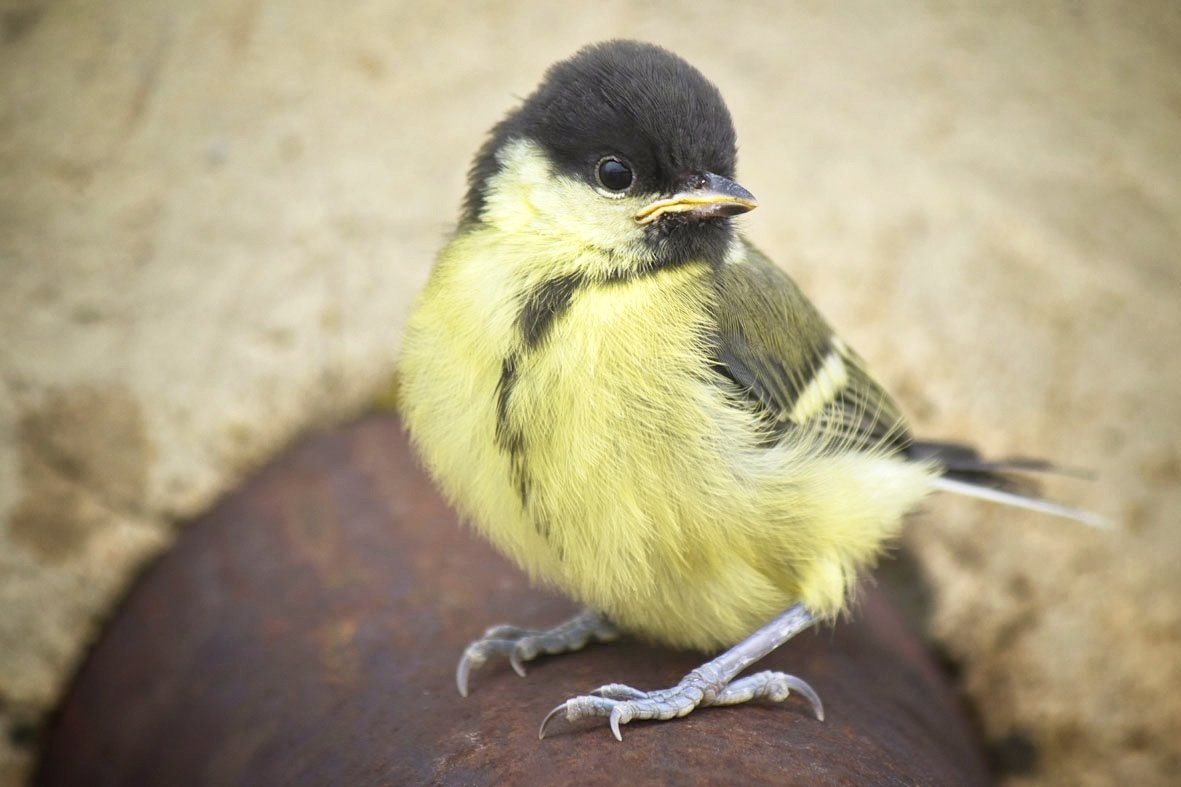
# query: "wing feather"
790 367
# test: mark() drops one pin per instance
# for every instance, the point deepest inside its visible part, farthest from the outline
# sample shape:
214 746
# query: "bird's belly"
608 461
676 523
633 469
636 493
656 495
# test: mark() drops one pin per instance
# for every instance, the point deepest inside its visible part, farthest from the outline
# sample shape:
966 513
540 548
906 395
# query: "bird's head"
625 150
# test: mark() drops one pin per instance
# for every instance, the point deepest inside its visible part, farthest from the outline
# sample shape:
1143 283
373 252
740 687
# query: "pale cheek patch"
575 209
508 205
527 196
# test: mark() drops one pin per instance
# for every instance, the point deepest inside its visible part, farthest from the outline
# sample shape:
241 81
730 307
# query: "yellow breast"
608 460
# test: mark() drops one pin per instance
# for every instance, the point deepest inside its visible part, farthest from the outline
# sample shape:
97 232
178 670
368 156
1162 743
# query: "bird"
639 408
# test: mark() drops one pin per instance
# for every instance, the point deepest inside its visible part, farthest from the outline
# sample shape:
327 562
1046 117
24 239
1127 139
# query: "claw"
616 718
476 654
514 660
545 722
462 671
809 693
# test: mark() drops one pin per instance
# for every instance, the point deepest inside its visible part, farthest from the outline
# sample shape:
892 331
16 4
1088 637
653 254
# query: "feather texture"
632 468
648 414
795 371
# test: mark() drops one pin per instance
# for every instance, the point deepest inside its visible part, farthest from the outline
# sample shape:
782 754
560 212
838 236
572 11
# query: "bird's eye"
614 174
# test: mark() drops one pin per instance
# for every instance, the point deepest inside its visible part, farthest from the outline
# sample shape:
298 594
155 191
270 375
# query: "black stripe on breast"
543 305
508 437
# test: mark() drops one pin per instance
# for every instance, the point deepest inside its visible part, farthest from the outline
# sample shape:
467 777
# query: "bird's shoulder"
773 344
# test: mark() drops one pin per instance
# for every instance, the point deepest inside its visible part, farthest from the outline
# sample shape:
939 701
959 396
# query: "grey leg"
521 645
713 683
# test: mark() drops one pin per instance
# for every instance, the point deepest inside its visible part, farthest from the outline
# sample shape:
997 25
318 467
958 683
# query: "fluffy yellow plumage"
651 496
635 405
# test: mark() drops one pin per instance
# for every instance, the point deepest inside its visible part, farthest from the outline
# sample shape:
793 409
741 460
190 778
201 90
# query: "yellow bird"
638 407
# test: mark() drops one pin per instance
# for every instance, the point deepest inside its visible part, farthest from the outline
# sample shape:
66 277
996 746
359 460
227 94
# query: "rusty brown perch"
306 632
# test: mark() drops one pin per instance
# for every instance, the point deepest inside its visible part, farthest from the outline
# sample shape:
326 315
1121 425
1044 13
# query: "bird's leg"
713 683
521 645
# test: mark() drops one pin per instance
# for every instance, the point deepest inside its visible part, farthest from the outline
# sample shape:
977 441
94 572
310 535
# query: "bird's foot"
520 645
702 687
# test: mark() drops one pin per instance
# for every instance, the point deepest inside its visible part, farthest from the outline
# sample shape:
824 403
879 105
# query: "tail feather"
1005 497
965 473
960 460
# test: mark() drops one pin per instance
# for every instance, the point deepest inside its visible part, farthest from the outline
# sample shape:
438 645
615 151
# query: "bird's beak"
705 196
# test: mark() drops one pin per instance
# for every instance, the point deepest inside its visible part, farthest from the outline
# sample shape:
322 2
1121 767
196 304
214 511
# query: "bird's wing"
787 365
791 368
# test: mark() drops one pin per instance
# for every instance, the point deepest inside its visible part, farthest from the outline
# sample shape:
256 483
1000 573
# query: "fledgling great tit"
638 407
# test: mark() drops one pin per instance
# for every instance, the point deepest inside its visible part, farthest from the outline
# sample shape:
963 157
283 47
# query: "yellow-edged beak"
707 196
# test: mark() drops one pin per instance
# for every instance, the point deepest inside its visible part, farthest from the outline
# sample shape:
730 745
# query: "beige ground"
214 214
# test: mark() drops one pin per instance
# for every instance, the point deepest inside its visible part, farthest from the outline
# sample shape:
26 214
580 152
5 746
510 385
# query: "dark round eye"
614 174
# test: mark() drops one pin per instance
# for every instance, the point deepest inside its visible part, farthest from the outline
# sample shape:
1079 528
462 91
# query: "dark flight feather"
964 463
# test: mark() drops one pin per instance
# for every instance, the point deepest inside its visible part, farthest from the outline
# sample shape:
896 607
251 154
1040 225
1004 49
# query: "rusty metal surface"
306 632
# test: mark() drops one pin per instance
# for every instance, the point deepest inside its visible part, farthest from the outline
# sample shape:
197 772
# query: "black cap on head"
623 98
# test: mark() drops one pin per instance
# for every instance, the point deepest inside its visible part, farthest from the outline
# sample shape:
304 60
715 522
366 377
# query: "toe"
619 691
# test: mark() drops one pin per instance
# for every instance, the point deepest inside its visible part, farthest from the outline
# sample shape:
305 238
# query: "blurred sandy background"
213 216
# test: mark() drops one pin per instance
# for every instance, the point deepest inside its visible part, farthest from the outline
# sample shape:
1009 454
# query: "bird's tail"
1002 481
